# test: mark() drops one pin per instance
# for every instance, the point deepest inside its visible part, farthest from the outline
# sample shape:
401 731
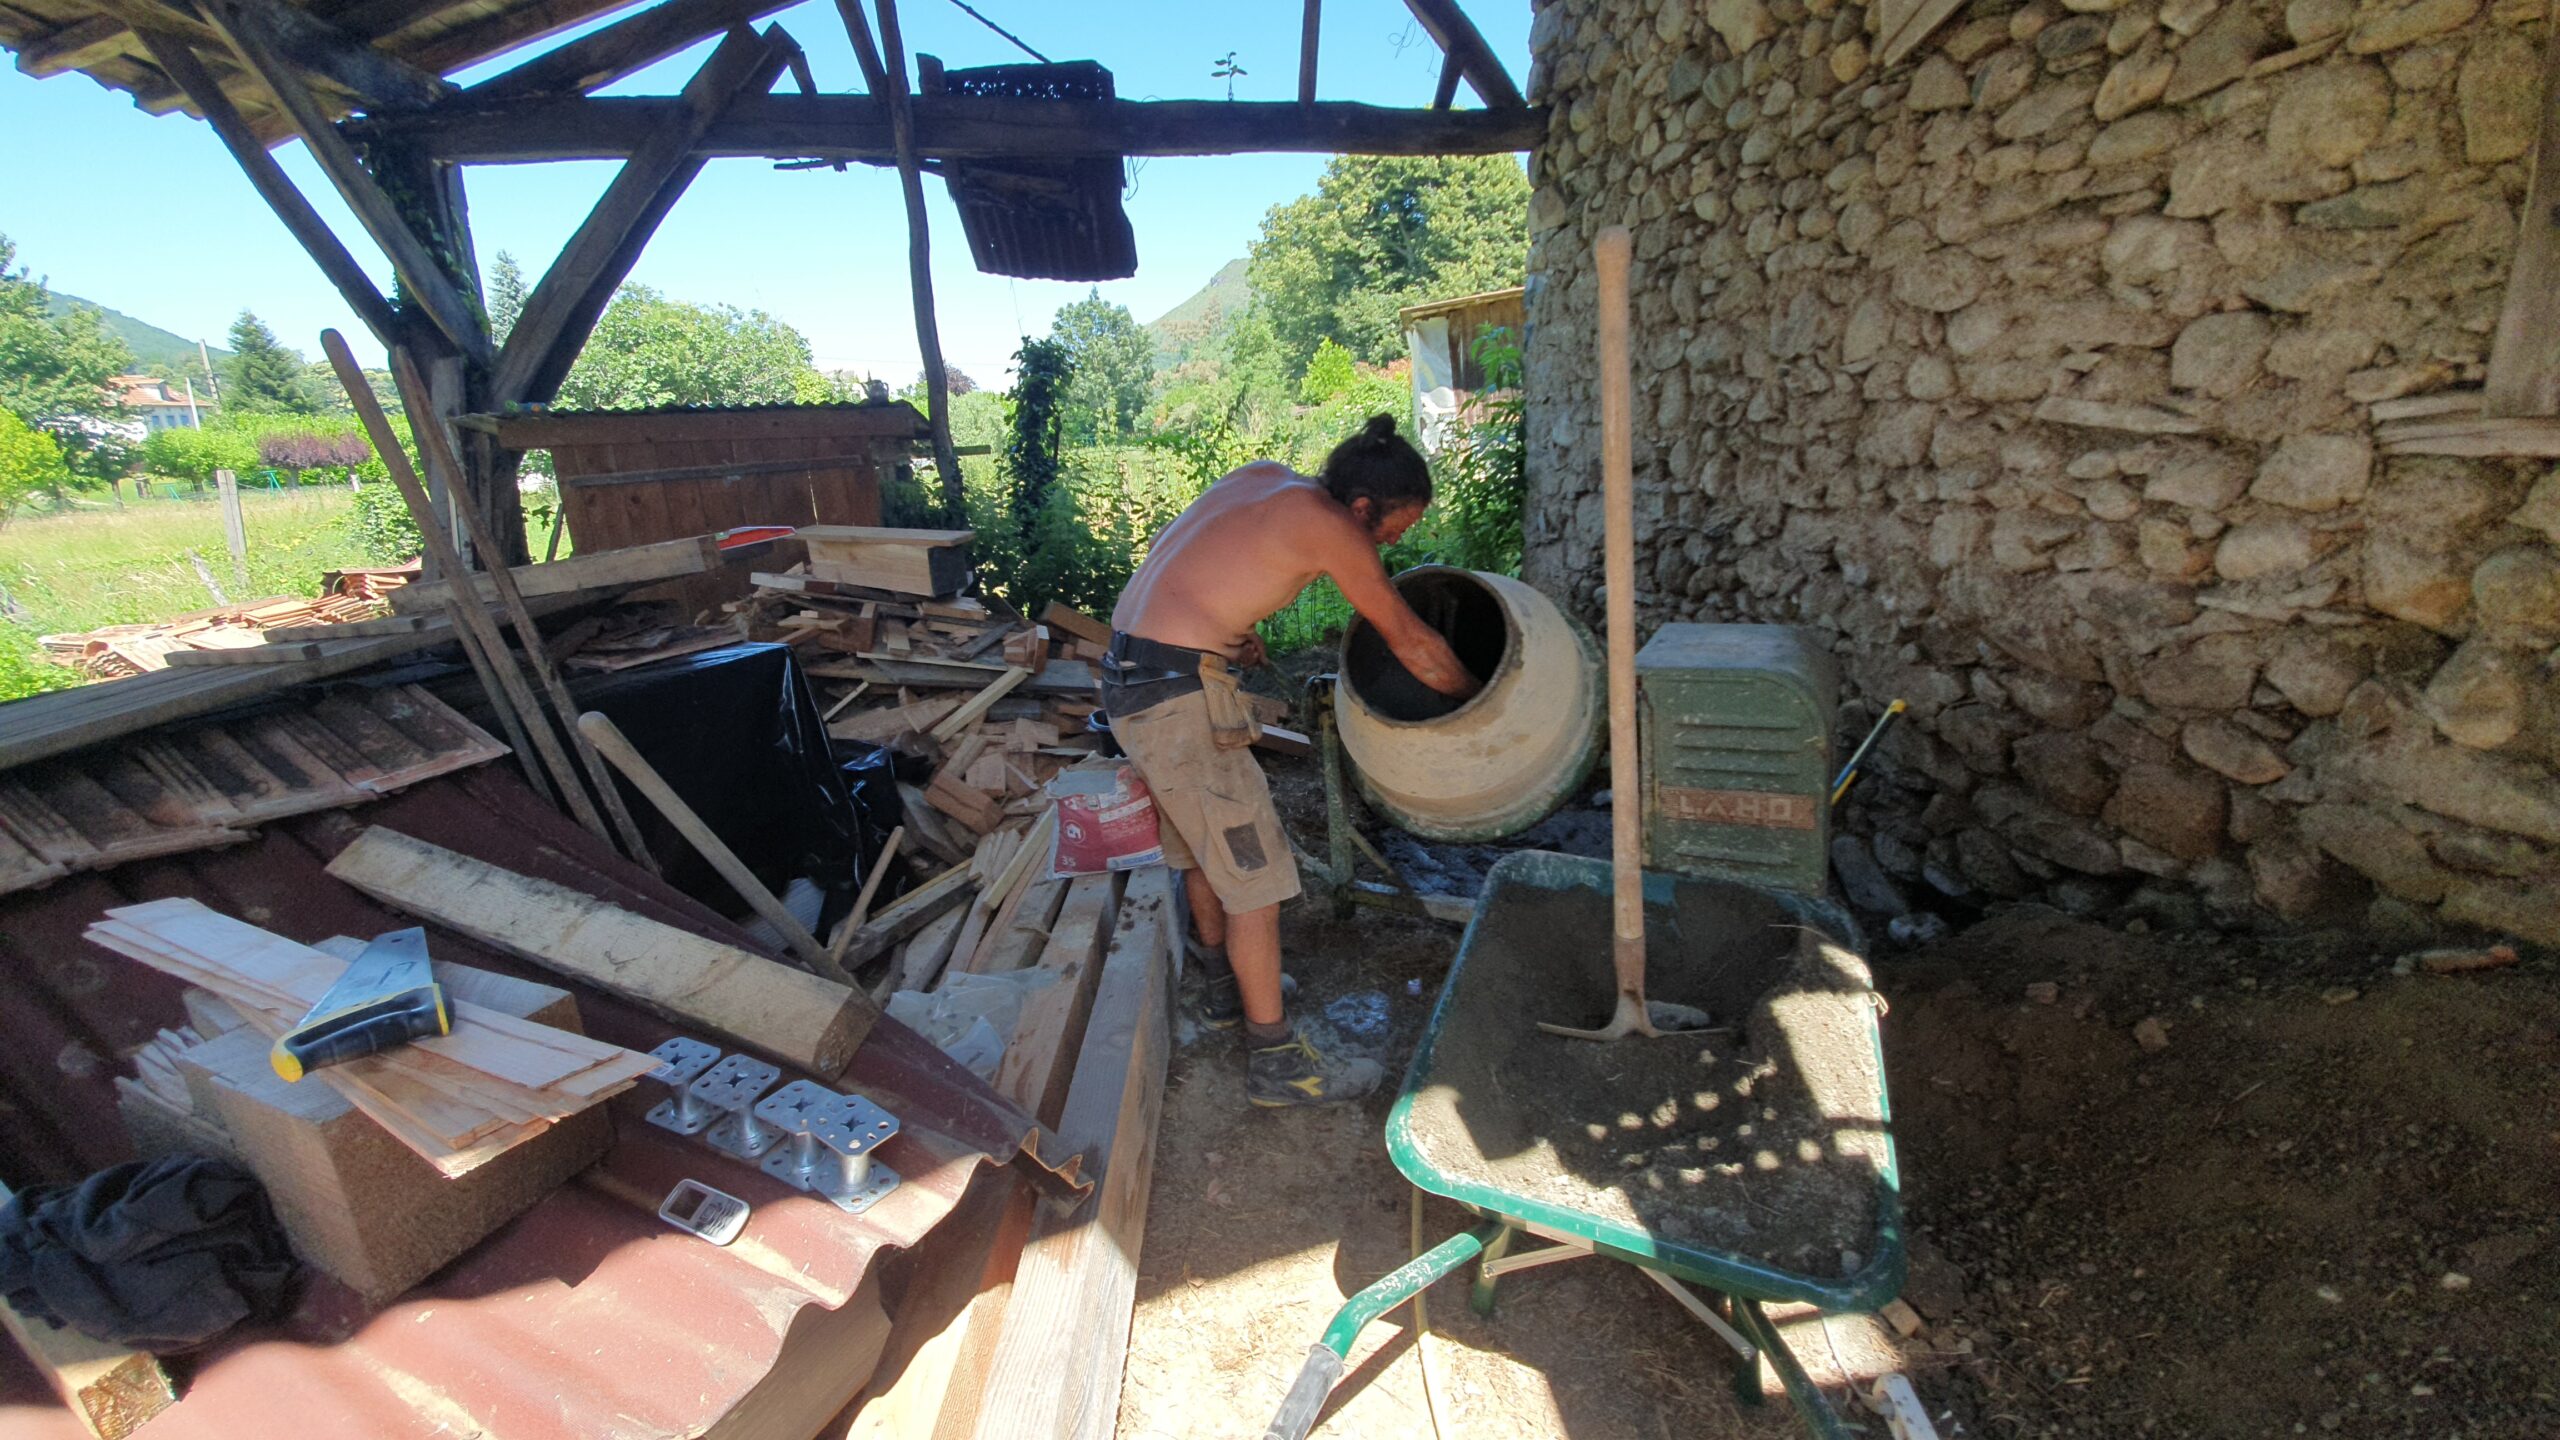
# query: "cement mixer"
1479 769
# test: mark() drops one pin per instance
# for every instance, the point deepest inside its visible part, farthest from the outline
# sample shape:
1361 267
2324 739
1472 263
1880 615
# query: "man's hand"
1251 652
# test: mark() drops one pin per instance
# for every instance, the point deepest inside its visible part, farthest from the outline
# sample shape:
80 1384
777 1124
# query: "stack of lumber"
458 1100
1025 1333
115 651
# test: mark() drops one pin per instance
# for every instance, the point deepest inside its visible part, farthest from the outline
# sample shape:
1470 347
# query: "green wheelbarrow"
1749 1164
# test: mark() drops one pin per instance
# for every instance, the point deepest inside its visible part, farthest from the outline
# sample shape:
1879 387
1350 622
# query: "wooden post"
235 531
2524 359
1308 24
467 610
431 443
886 65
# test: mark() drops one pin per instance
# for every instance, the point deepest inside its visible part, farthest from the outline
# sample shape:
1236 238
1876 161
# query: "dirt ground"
2326 1206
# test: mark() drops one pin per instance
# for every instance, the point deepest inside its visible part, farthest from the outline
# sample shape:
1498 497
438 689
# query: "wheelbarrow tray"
1477 1121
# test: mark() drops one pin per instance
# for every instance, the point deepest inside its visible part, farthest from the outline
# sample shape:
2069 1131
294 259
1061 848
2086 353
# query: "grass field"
111 565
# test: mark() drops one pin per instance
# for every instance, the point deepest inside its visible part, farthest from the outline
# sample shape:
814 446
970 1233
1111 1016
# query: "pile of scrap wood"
113 652
459 1100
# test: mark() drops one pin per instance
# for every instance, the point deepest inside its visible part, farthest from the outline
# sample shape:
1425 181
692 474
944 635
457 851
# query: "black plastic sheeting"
737 734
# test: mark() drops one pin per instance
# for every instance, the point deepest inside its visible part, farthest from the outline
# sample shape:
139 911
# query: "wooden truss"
362 88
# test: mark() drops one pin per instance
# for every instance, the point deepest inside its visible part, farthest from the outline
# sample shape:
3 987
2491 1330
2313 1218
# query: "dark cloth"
158 1255
1139 673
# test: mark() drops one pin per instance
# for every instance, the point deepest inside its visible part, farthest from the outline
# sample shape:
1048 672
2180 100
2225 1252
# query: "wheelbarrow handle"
1306 1396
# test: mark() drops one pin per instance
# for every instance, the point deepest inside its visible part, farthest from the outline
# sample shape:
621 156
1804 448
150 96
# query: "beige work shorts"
1213 803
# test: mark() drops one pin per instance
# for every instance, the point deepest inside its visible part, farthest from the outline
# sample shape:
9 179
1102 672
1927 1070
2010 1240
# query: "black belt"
1139 673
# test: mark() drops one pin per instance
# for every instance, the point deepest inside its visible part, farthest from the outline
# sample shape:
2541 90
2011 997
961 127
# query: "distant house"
1441 337
158 404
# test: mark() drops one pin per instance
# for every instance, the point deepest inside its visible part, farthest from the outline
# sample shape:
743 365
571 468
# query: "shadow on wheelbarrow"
1754 1161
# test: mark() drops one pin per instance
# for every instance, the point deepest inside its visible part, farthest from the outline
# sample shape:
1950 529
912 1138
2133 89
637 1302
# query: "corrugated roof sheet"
586 1316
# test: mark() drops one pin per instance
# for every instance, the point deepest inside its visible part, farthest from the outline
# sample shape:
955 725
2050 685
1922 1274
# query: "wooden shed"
630 477
1441 337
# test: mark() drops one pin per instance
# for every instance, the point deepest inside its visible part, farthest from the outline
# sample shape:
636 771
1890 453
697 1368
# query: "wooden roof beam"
572 294
75 46
632 43
1459 39
424 282
326 55
172 54
956 127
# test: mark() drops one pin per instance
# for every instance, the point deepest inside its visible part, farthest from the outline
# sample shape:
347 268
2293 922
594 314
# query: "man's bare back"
1250 544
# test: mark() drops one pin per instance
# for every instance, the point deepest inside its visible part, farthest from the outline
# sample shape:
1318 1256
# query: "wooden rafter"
2524 359
421 278
573 293
1309 24
174 57
1459 39
327 56
1445 94
886 64
631 43
955 127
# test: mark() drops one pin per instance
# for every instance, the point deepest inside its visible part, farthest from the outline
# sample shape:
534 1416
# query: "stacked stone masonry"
2035 370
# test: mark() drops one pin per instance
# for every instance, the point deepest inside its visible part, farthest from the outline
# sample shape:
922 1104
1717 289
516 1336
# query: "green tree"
30 463
506 296
1380 233
649 350
54 370
1329 373
184 453
1112 363
262 377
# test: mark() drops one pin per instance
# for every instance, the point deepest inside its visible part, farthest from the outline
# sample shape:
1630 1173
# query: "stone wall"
2036 371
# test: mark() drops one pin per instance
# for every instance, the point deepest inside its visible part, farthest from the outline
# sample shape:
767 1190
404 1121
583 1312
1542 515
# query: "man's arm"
1352 563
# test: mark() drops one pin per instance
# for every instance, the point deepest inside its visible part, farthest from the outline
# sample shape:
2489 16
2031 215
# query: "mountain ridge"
150 344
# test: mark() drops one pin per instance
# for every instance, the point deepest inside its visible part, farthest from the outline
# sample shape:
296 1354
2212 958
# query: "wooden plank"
599 570
908 913
2524 358
767 1006
111 1389
881 535
1053 1019
958 721
1310 23
947 1326
1069 620
1057 1363
1280 740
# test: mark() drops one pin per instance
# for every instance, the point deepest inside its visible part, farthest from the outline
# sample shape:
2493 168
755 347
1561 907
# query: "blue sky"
149 214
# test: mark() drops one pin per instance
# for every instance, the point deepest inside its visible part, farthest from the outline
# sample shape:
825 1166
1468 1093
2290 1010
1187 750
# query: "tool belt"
1139 674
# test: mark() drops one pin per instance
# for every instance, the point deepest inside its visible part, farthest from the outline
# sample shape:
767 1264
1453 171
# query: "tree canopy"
262 377
52 367
506 296
1112 363
1380 233
649 350
30 462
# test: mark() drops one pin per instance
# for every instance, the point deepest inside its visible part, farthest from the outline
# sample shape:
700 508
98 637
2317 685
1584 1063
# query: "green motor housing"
1736 723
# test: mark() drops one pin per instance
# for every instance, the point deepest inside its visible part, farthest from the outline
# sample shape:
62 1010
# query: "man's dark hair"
1380 464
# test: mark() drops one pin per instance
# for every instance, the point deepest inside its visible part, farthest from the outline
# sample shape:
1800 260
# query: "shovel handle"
1306 1396
1618 571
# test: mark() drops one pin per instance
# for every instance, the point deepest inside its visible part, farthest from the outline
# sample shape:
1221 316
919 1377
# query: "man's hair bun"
1380 427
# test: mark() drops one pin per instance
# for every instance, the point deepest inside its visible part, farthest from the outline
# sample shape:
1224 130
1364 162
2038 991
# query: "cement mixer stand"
1337 875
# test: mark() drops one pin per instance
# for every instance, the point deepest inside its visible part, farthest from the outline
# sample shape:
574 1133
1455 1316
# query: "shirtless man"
1183 627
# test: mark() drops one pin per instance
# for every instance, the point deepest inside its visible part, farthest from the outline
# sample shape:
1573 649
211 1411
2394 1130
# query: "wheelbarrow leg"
1746 1376
1324 1360
1480 1294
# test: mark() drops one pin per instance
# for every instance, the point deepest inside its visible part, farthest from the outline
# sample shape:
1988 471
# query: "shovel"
1633 1015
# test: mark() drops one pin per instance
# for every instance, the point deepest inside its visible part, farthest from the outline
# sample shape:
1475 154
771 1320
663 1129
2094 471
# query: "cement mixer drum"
1500 761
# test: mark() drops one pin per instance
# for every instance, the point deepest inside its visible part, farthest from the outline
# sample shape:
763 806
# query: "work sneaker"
1294 1072
1222 1001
